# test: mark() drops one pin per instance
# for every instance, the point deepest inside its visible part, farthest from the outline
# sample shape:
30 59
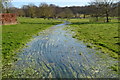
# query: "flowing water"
55 54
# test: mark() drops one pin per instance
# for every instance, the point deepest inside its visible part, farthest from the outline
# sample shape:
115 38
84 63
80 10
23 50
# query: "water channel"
55 54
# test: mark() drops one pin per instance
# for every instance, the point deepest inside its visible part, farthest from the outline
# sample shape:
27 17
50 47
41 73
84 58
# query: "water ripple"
55 54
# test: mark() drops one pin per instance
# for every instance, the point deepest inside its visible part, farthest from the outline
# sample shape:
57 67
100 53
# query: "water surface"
55 54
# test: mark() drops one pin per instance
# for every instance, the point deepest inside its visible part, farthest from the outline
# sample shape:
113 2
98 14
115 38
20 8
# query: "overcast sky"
62 3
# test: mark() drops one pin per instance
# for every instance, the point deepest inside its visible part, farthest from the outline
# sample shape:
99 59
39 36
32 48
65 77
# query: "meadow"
14 37
98 35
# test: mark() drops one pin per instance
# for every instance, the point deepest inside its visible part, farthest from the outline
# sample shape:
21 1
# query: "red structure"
8 19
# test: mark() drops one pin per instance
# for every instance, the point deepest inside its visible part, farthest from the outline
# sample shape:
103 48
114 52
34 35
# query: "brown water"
55 54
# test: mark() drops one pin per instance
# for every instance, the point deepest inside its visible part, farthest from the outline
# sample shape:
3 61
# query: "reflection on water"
55 54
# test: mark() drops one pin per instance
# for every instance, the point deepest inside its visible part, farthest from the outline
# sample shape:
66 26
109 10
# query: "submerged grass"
16 36
104 36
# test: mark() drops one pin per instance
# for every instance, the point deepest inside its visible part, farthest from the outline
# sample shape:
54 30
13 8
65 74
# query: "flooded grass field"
14 37
55 54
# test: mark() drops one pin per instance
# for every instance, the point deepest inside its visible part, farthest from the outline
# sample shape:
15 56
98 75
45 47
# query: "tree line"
96 8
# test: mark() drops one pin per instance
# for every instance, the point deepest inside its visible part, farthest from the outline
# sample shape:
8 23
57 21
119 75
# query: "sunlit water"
55 54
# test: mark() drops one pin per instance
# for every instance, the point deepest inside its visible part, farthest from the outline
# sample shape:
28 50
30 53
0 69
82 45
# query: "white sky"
50 0
61 3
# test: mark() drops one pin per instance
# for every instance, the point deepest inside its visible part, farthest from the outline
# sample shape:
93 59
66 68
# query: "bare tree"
97 8
20 13
6 5
51 10
32 10
25 10
47 11
103 7
61 15
1 7
38 12
44 10
68 13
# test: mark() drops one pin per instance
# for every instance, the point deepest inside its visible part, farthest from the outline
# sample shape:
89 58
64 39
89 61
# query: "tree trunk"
84 16
97 18
107 16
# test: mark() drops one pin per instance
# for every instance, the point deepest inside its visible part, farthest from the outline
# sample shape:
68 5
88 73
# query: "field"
14 37
99 35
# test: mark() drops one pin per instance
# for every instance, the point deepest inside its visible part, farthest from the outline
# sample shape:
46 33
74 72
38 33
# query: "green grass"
99 35
103 36
14 37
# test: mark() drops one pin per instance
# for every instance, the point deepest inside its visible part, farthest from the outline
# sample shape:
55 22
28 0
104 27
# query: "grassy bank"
14 37
103 36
